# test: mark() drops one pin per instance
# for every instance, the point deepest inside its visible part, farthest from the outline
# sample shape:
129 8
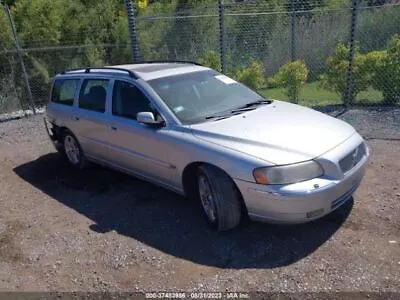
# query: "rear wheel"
219 197
73 151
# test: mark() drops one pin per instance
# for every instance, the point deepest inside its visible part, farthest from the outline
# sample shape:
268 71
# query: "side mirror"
147 118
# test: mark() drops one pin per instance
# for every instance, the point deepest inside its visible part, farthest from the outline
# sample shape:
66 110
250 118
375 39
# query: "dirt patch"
100 230
10 251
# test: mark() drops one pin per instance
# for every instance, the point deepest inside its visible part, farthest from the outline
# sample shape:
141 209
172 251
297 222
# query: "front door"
134 146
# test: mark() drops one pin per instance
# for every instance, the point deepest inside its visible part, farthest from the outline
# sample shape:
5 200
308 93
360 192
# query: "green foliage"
292 76
252 36
252 76
272 82
385 70
159 7
337 3
312 95
377 26
93 23
379 69
335 77
374 63
5 31
210 59
38 20
39 73
8 2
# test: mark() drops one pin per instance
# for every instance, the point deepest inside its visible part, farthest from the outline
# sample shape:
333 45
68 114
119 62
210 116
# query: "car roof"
145 71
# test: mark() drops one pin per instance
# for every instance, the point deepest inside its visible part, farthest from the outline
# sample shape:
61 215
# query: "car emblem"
355 157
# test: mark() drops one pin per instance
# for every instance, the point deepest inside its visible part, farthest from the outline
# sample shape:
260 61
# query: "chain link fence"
302 51
187 34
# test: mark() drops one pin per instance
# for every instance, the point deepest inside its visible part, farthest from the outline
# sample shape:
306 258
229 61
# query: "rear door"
89 117
61 105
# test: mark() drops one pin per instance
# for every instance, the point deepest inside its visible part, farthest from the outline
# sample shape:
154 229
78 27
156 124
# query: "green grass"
369 97
312 95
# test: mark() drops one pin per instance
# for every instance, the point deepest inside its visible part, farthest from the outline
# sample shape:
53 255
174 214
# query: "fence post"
222 49
130 11
293 30
349 89
21 58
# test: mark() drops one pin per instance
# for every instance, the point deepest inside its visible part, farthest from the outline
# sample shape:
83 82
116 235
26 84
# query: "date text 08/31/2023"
196 295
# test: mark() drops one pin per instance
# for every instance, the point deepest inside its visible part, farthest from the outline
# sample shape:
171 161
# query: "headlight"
288 173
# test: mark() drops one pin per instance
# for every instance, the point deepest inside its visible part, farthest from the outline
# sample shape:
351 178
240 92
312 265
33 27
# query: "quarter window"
128 100
93 95
64 91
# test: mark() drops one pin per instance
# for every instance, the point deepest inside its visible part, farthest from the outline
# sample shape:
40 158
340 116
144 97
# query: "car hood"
279 133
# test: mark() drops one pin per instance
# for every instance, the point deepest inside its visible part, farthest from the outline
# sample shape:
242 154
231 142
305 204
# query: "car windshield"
197 97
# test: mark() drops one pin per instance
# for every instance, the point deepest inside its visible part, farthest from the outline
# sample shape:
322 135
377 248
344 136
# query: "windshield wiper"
251 105
238 110
222 116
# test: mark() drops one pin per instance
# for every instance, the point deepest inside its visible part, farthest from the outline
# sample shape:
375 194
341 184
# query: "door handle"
114 128
75 118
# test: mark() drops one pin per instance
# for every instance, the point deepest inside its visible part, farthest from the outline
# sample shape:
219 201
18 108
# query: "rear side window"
93 95
64 91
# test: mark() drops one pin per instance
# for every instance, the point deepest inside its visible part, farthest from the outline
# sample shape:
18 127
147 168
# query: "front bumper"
303 201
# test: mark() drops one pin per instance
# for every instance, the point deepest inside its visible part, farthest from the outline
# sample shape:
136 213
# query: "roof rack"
87 70
168 61
130 72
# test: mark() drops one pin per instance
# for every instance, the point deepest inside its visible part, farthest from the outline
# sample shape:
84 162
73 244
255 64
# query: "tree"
384 67
252 76
292 77
38 20
8 2
5 32
210 59
189 38
335 77
250 35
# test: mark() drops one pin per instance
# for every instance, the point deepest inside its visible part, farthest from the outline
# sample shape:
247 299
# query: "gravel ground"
100 230
372 122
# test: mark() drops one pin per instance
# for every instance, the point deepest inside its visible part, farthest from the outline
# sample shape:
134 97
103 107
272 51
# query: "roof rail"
130 72
169 61
87 70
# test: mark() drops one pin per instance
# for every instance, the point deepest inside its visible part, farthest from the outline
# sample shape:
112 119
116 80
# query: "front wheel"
73 151
219 197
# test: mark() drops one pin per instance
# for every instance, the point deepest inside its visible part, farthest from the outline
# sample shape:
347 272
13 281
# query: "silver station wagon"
200 133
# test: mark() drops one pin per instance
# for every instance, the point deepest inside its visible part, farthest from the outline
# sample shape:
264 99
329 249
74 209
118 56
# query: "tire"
73 150
222 197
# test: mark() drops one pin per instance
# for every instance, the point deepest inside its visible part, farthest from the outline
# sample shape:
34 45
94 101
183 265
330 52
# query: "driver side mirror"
147 118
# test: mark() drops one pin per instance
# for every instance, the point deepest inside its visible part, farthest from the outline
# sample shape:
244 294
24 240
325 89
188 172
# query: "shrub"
374 63
210 59
252 76
335 77
386 70
272 82
292 76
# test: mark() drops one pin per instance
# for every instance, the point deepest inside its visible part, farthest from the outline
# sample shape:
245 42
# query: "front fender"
188 149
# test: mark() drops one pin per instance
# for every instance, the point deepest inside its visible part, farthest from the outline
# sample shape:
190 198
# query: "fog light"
315 213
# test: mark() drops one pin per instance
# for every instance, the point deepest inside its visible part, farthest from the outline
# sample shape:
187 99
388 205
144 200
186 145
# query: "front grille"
353 158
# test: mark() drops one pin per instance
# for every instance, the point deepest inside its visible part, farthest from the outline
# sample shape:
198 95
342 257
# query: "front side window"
128 100
93 94
64 91
195 96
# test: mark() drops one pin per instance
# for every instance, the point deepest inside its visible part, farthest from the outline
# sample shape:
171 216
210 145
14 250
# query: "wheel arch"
62 130
189 181
58 131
